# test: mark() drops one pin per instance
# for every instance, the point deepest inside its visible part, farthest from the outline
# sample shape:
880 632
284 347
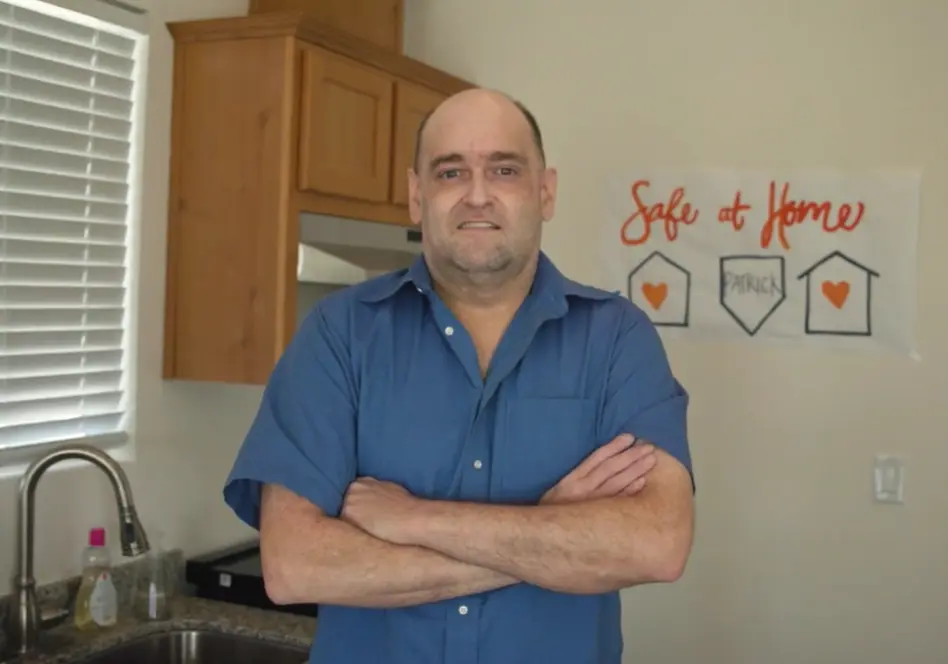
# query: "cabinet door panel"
345 127
412 104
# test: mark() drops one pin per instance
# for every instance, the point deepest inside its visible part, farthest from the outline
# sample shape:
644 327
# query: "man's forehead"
479 123
474 137
474 131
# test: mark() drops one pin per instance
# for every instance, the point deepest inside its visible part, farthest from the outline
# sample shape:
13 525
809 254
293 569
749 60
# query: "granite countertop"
65 644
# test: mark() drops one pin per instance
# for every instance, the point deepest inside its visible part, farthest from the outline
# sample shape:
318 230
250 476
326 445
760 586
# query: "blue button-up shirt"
382 380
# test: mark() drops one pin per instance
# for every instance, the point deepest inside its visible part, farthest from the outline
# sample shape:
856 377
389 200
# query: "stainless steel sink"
199 647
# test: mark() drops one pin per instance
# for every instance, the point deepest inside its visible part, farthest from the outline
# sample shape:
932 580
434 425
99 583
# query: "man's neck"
484 294
486 307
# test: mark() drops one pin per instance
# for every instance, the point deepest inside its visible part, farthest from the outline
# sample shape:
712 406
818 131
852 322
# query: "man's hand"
389 512
617 468
382 509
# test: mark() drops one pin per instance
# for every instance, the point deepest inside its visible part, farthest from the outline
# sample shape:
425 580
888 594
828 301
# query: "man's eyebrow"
451 158
455 158
508 156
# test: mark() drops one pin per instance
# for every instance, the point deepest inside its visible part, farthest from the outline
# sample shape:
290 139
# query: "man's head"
480 188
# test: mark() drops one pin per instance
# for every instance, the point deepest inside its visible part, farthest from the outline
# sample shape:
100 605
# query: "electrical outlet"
889 479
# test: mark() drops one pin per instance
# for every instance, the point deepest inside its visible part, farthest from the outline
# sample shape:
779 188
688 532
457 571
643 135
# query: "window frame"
119 444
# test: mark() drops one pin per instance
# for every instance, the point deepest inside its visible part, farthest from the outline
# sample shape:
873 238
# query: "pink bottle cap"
97 537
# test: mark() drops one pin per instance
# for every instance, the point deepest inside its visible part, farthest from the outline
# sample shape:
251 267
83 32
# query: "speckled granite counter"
66 645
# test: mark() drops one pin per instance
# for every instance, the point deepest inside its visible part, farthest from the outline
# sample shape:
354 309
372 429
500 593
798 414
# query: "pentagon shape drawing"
752 288
838 296
662 289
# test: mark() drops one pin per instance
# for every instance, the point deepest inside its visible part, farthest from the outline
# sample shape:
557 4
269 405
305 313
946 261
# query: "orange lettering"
733 213
790 213
666 212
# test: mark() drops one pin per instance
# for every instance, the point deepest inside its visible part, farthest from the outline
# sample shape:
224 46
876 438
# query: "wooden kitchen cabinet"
274 115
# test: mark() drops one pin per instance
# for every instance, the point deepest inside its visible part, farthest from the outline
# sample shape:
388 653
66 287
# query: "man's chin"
482 262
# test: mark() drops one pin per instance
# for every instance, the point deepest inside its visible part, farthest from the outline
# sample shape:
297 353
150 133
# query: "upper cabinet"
273 115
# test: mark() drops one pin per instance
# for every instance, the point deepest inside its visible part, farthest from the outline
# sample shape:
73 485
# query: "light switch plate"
889 479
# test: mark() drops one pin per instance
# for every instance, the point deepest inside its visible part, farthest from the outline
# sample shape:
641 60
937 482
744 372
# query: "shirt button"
478 465
418 288
449 330
462 610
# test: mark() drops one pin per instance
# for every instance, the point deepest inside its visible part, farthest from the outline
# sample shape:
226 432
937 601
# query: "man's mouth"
478 226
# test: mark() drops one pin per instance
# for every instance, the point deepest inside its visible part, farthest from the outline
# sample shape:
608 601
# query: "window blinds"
67 109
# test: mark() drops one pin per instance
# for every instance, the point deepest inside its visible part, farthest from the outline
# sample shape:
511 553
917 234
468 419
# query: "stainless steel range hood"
341 252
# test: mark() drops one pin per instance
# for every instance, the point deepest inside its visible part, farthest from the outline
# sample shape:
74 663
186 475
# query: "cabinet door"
412 104
345 127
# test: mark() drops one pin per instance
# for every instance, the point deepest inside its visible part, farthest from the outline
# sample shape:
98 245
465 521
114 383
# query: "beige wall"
793 562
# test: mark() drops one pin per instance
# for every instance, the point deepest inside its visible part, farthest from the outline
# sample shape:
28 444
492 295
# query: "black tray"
235 575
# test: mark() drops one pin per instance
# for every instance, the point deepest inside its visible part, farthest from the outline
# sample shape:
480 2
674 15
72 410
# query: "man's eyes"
450 173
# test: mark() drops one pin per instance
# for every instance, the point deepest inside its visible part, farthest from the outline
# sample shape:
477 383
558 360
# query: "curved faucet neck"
25 614
31 478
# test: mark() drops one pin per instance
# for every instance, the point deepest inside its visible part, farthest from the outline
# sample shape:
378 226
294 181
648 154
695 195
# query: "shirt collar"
552 282
386 286
549 283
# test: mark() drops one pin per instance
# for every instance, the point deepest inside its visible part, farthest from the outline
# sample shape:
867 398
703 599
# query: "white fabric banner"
812 257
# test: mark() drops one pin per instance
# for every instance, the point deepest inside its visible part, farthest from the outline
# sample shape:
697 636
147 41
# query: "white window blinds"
67 89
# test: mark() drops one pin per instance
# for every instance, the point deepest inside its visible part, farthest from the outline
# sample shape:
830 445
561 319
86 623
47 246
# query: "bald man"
463 462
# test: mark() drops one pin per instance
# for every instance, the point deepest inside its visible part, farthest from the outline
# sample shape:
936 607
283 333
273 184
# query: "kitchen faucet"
24 617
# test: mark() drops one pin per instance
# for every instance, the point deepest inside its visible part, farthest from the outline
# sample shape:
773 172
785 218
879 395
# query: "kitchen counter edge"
67 645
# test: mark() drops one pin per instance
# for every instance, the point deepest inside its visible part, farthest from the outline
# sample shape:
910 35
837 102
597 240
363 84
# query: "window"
68 138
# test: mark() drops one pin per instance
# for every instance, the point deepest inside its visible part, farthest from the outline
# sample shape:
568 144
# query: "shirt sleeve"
643 397
303 435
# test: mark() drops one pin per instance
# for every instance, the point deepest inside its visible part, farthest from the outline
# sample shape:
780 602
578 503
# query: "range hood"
341 252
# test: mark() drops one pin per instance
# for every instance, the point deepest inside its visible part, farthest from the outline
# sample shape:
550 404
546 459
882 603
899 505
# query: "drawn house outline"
722 299
867 273
657 255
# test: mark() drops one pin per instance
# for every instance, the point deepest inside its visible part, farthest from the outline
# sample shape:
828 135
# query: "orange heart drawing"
836 293
655 294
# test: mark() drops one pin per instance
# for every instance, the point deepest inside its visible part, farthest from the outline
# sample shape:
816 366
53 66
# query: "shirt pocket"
544 439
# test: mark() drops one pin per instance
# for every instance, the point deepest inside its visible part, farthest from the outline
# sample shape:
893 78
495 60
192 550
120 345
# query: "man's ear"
414 196
548 193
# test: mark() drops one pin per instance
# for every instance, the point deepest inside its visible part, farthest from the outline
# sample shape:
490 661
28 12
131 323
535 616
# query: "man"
444 458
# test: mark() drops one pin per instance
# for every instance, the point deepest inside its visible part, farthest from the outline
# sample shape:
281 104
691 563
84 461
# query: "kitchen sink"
199 647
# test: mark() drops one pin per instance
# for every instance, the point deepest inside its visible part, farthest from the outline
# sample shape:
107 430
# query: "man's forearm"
309 558
584 547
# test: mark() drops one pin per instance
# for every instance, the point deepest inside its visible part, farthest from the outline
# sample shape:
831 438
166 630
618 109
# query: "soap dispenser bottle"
97 599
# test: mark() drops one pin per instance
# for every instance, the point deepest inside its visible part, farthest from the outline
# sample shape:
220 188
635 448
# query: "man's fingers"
615 446
628 476
635 487
617 464
611 470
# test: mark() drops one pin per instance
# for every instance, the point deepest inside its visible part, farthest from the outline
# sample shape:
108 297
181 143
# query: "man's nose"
478 191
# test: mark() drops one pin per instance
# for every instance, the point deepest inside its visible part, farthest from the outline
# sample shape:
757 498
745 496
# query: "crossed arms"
623 517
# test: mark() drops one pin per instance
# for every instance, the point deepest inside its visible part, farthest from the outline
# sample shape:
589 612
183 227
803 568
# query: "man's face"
481 193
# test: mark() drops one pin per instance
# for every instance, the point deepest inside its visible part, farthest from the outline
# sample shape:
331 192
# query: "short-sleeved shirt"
381 380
